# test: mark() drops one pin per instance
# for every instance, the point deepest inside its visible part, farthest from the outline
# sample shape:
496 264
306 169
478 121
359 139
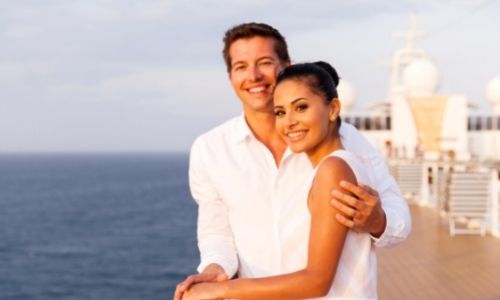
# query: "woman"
336 263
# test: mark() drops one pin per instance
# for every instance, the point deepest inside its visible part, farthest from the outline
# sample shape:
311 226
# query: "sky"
148 76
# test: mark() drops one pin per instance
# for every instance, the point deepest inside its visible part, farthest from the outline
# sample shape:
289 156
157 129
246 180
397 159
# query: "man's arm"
380 209
215 239
385 217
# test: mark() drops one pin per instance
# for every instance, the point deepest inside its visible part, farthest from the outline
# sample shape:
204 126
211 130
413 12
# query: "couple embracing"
292 201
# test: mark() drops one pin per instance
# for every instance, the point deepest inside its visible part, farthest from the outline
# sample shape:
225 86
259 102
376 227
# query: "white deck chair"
410 179
468 201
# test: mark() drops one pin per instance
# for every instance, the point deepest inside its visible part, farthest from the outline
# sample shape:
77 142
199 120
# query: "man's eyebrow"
265 57
237 62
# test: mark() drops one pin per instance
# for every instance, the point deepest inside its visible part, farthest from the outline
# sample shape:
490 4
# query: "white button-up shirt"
232 176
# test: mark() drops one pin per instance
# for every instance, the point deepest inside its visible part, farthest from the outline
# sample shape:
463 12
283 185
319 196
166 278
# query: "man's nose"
255 73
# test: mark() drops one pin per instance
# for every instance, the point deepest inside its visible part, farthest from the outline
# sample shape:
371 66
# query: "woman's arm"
326 241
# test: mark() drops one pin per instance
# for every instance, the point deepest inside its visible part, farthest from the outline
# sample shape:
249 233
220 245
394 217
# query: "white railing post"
495 198
424 188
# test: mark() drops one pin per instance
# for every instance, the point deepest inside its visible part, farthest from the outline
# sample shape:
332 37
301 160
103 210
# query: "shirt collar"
242 131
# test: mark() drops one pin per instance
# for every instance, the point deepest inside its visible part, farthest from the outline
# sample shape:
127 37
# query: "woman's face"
303 118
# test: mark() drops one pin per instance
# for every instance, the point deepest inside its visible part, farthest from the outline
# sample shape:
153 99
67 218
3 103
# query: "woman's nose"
290 119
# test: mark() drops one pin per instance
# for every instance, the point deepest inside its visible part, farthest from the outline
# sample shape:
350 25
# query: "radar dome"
493 93
421 78
346 96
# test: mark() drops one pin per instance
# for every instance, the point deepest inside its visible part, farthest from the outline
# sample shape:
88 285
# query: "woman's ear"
334 109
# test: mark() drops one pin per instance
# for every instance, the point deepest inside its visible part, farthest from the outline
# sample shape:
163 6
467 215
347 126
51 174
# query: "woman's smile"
296 135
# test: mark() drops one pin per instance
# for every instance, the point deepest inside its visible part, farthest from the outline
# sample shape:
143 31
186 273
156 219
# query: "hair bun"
329 69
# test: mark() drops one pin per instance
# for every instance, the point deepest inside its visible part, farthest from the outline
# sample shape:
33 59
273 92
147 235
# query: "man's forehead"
254 47
253 42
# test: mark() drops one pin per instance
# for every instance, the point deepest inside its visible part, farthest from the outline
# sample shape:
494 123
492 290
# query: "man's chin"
261 105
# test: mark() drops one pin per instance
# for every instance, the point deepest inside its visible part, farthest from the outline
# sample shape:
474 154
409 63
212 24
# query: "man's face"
253 72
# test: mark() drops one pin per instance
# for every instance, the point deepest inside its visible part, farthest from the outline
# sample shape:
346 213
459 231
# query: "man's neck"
262 125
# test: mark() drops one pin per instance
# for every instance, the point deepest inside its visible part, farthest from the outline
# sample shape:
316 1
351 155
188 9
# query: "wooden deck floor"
433 265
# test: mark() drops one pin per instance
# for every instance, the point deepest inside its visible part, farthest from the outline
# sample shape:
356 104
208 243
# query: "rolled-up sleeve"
215 238
398 218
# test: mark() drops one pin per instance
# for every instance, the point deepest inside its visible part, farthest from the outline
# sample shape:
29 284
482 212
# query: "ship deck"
431 264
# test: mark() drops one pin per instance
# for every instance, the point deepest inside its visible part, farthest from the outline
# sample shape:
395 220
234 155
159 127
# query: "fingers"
344 221
344 198
222 277
358 191
178 292
182 287
346 209
193 279
359 211
368 189
353 212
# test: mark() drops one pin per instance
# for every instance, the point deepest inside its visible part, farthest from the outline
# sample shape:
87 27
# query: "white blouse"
356 276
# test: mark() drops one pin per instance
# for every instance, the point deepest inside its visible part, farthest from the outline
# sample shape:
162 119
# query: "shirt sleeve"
215 238
398 219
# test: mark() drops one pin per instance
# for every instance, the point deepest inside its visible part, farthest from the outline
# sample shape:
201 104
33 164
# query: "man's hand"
363 211
203 291
212 273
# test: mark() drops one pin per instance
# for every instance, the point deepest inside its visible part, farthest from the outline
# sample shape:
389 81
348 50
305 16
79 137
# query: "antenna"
405 55
412 34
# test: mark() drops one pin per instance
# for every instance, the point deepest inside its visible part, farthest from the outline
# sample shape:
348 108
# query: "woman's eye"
301 107
279 113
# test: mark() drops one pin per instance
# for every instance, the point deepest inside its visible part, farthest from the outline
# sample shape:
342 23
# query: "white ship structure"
442 149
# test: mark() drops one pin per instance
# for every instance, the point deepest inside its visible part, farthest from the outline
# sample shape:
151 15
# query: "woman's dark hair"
320 76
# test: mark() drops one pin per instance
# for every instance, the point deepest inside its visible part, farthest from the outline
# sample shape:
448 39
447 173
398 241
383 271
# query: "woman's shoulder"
357 165
336 167
341 158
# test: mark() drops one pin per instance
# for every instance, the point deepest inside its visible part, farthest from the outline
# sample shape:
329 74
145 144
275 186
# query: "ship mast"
405 55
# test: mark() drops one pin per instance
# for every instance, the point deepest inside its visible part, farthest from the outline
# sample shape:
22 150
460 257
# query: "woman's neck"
327 146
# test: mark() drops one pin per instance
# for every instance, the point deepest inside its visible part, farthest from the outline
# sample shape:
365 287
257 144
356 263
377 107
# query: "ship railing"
466 195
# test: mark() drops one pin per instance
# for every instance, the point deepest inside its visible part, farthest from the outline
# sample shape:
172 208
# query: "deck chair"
410 179
468 202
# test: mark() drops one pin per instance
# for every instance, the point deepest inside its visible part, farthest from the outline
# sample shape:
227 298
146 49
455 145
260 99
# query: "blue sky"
134 76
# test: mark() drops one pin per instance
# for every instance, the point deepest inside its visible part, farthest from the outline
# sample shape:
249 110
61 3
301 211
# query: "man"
235 167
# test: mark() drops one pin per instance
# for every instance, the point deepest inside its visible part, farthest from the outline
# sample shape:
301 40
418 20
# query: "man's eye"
238 68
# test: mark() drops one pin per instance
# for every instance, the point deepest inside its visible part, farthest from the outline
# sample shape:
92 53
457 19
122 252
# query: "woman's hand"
203 291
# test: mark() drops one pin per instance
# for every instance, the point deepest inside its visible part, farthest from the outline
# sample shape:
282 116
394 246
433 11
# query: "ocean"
95 226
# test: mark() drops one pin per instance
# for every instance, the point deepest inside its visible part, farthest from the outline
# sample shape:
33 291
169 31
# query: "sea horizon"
97 152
